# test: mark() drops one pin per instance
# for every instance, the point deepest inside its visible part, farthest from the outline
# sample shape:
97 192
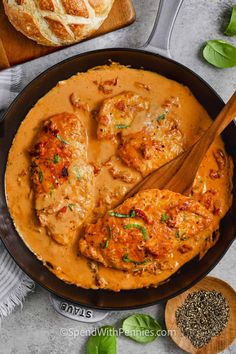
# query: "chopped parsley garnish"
121 126
119 215
105 244
161 117
165 217
128 260
71 206
56 158
77 172
40 176
62 140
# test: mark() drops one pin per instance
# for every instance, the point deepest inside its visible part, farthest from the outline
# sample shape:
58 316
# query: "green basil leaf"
102 342
131 214
231 29
126 259
105 244
220 54
141 328
139 227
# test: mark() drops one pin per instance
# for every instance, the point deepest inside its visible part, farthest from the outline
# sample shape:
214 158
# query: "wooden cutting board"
15 48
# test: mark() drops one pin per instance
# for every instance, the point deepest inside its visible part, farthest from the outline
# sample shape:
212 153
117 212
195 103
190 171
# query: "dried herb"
121 126
51 189
56 159
177 234
62 140
165 217
77 172
71 206
137 226
182 236
161 117
40 176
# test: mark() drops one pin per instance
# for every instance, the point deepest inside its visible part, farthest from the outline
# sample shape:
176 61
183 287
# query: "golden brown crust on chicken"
117 113
152 147
62 179
150 232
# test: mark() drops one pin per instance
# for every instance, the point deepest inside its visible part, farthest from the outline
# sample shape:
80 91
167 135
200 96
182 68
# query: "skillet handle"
75 312
159 40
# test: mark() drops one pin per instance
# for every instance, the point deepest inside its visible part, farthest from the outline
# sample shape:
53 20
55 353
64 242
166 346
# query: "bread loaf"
57 22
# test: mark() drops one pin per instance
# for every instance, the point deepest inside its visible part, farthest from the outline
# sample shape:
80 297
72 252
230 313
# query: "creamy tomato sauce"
83 94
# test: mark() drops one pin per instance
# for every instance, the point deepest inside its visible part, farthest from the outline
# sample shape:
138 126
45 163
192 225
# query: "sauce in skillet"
83 95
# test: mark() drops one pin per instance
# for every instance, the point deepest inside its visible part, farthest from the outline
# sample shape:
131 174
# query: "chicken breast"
61 177
153 146
149 232
118 112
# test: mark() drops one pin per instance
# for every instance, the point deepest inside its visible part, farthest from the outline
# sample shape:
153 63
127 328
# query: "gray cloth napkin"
10 82
14 284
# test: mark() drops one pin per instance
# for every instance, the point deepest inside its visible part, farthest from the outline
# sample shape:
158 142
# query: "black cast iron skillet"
189 273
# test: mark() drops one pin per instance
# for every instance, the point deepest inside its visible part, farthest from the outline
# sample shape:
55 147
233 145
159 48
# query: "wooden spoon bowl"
216 344
178 174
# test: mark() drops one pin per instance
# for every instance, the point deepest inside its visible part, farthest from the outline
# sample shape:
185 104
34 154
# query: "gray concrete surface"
37 328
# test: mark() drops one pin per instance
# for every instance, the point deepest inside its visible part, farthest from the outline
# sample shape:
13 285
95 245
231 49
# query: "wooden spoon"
178 175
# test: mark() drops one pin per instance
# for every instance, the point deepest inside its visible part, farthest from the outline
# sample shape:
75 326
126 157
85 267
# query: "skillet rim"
15 102
61 63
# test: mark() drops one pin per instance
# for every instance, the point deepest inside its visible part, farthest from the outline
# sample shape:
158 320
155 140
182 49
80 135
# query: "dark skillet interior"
191 272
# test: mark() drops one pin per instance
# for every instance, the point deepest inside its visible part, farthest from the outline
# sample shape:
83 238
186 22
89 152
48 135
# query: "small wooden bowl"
216 344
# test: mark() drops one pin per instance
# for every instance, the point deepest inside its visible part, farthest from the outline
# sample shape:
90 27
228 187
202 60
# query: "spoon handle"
225 117
193 157
199 149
